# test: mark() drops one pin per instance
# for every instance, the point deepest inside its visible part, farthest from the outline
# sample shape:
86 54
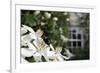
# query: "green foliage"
50 27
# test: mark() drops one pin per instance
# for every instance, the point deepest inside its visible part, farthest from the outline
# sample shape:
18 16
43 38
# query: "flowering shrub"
32 45
47 36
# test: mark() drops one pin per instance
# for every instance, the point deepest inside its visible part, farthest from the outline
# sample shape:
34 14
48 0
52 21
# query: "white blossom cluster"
32 44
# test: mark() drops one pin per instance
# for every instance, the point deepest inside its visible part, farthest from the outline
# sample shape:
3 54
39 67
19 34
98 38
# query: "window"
75 39
79 43
79 36
73 31
74 36
74 43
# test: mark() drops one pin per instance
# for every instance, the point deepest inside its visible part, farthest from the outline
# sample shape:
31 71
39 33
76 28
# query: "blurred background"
67 30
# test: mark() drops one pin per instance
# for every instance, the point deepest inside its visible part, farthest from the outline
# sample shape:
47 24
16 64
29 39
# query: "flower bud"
55 18
65 13
36 12
48 15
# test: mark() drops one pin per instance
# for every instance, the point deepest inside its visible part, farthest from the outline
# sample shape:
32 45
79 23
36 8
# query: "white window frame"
76 40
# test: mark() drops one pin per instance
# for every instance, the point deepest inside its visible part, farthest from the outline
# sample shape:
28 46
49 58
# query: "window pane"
74 31
74 43
74 36
79 43
79 36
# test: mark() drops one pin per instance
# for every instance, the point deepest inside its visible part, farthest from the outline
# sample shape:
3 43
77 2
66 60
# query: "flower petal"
26 52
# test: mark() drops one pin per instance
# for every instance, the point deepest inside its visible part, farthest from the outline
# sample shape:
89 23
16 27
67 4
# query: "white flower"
23 43
51 47
64 38
67 19
50 53
26 38
59 57
26 52
65 13
37 56
54 56
39 43
36 12
39 32
23 30
31 47
61 30
65 57
39 48
33 36
48 15
58 49
69 54
42 23
29 29
42 17
55 18
74 19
